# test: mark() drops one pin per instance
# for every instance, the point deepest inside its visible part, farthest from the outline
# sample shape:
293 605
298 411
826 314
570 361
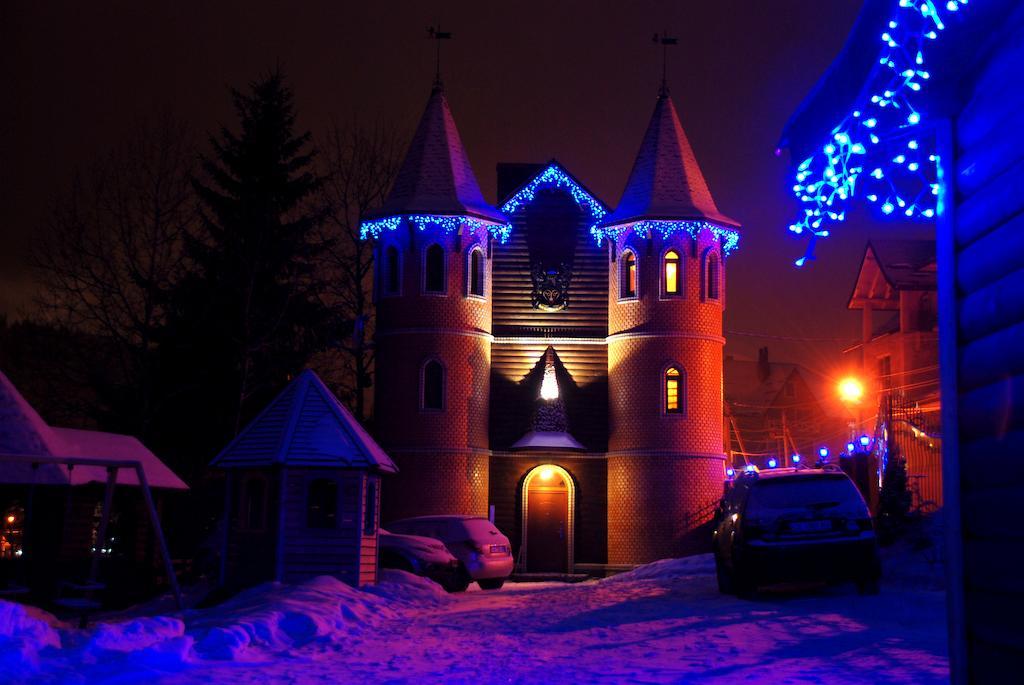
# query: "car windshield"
804 492
478 529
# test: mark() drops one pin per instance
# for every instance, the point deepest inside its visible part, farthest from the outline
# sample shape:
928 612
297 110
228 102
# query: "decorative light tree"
879 149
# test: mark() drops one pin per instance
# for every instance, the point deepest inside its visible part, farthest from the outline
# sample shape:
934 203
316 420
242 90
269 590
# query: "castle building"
554 362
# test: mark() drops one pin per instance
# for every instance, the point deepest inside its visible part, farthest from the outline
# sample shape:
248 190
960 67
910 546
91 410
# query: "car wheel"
491 583
460 581
743 585
725 584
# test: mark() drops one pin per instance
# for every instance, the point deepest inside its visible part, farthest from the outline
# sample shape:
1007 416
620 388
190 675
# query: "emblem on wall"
551 287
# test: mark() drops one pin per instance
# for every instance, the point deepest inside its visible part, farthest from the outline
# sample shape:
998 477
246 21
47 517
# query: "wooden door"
547 528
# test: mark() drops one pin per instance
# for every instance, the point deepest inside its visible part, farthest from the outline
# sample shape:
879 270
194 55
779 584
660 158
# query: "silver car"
484 553
423 556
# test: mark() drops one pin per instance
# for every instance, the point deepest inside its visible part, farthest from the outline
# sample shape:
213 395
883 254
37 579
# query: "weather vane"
437 35
664 40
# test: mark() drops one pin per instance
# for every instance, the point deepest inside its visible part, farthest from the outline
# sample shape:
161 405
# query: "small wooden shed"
302 492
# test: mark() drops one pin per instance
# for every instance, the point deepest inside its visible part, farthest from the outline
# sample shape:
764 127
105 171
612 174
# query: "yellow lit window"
672 400
671 272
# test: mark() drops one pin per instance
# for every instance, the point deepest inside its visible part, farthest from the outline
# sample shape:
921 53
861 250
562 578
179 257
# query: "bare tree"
111 250
361 165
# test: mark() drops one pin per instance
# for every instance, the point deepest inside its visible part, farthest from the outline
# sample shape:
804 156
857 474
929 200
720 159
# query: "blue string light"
448 224
730 238
554 177
878 149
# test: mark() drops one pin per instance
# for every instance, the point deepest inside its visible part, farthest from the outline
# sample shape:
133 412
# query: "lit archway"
544 482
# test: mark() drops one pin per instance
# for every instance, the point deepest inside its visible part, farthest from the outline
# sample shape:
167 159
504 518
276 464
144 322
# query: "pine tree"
250 315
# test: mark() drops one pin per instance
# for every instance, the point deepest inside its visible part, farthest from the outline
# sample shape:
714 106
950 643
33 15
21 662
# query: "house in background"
896 292
771 411
302 492
968 115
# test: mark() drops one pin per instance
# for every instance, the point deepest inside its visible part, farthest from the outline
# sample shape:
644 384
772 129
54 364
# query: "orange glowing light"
547 473
10 518
851 390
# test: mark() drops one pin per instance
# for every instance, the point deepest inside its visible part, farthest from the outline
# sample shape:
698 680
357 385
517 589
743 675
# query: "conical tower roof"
666 183
305 425
436 178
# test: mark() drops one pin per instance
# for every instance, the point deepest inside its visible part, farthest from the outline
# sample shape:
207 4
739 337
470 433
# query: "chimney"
764 369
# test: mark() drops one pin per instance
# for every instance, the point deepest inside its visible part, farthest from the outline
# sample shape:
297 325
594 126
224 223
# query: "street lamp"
851 390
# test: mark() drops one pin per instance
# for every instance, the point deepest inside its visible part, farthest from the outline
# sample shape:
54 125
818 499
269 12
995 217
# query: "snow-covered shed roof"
666 182
305 425
23 433
436 177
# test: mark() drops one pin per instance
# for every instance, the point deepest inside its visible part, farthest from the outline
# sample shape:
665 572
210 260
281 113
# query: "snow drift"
24 633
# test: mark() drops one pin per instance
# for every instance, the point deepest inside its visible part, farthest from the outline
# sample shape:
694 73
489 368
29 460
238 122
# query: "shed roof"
305 425
436 176
24 433
666 182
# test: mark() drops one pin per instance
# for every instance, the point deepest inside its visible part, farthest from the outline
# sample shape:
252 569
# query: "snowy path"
671 627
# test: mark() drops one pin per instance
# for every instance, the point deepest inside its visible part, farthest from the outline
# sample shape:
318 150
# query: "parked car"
423 556
484 553
791 524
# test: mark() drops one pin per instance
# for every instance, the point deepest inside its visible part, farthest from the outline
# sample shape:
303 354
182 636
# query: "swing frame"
112 466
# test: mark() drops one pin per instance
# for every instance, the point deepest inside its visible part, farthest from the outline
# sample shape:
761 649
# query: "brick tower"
667 242
433 333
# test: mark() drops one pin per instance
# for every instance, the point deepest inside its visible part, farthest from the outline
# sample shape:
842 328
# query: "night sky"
527 81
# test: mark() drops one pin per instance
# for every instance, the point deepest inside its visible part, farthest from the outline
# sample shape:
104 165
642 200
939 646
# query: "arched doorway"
549 502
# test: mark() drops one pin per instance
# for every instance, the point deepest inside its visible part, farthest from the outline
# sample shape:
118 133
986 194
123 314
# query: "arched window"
674 380
671 275
392 271
627 276
712 284
254 503
433 385
433 264
322 503
476 272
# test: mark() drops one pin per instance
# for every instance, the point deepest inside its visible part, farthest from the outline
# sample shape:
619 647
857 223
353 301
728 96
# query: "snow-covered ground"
664 622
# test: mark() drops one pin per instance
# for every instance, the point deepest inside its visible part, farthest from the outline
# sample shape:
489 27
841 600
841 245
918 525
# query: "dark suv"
786 525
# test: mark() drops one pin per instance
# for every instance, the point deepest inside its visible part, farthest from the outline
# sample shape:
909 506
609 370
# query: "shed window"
673 391
433 385
627 279
254 503
322 503
711 273
671 273
476 272
433 281
392 272
370 507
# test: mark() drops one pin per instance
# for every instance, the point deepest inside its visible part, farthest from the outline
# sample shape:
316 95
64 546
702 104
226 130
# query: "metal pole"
279 558
101 533
227 529
168 565
29 530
